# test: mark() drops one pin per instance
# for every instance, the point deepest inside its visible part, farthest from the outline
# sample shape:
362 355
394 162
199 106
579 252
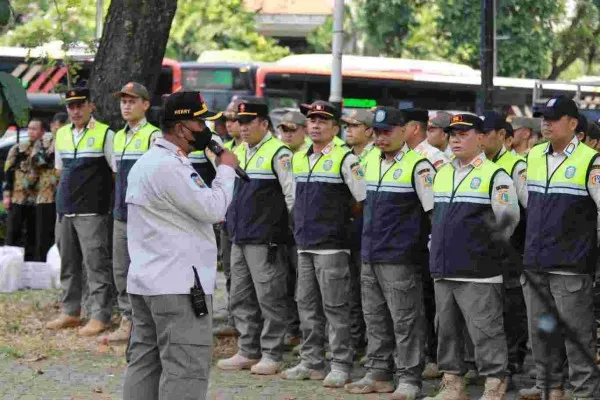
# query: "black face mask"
201 138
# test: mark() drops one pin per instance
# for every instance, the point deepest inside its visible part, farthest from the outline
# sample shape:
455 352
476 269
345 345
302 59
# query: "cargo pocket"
490 326
403 293
335 287
189 351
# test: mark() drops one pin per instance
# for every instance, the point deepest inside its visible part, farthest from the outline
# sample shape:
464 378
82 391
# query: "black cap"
582 124
510 132
322 108
593 131
181 106
416 114
493 121
250 109
557 107
77 95
465 122
388 117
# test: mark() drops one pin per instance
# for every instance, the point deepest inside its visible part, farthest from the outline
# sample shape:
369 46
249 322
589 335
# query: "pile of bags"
16 274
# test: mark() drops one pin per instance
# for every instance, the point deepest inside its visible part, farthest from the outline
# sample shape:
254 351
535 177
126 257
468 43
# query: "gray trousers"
170 349
322 296
357 319
572 298
225 254
480 307
392 298
121 261
293 317
84 243
258 299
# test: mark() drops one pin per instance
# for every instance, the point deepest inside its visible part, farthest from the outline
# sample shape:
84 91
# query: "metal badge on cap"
380 115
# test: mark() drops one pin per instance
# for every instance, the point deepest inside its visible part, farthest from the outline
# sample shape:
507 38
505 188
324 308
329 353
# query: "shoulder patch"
285 162
357 171
594 179
502 195
438 164
197 180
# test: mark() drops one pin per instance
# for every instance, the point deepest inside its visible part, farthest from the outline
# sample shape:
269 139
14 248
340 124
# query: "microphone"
218 150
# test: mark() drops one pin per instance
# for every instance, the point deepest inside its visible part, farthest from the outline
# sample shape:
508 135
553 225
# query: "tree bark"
131 49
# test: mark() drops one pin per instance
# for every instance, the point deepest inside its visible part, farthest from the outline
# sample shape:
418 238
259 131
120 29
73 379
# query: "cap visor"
209 115
289 125
245 118
75 101
458 128
323 114
551 115
385 127
350 121
130 94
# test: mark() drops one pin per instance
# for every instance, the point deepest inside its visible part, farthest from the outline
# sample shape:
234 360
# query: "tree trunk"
131 49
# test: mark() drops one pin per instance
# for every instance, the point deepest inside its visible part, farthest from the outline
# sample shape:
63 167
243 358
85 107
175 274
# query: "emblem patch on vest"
90 142
570 172
327 165
259 161
398 173
138 143
197 180
475 183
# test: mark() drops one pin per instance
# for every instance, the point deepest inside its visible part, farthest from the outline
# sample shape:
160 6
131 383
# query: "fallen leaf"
39 372
97 390
36 359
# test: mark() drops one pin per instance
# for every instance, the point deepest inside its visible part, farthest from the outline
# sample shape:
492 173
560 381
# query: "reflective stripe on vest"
322 206
126 155
258 213
85 184
461 244
561 215
395 225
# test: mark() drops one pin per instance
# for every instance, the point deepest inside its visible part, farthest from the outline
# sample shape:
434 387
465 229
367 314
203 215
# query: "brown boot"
120 336
535 393
93 327
495 389
64 321
451 388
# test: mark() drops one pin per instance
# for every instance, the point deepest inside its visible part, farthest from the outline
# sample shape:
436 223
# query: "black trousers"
45 221
20 229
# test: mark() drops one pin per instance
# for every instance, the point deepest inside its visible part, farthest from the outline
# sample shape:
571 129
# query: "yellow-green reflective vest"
395 226
461 244
258 212
561 215
85 185
126 154
322 206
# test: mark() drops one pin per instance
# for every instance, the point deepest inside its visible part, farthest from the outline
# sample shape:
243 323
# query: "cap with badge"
416 114
250 109
77 95
524 122
440 120
464 122
387 117
134 89
558 107
493 121
292 120
359 117
181 106
320 108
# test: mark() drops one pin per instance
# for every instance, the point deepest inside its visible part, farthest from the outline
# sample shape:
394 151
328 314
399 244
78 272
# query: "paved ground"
37 364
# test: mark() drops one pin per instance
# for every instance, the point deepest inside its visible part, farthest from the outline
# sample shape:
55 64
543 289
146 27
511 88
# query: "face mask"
201 138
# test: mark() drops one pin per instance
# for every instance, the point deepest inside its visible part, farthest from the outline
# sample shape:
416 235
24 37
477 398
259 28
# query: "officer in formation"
257 221
359 137
472 195
396 229
328 179
83 155
130 143
416 139
563 186
435 132
526 134
25 171
496 129
233 131
292 131
171 212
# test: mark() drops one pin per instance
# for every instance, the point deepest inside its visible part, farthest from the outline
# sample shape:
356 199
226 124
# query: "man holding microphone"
173 252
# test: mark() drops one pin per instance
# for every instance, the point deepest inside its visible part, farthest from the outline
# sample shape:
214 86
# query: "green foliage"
218 24
13 99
